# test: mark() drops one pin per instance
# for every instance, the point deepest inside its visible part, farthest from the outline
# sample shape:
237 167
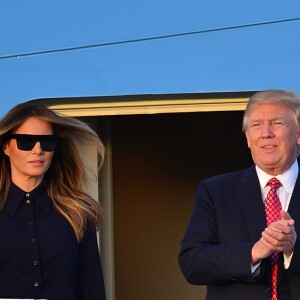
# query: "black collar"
16 197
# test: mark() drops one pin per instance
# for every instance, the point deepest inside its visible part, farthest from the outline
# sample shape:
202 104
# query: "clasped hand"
278 236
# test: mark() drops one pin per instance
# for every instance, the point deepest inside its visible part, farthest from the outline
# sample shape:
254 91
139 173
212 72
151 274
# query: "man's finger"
285 215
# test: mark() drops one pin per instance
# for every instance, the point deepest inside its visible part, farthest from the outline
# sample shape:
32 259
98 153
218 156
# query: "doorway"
157 161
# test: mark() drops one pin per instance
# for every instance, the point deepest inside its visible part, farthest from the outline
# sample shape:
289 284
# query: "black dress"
39 254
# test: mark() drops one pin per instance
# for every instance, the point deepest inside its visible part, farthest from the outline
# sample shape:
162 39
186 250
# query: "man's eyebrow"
255 120
271 119
278 118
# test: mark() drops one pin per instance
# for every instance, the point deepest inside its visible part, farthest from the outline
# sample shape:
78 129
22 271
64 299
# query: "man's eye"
278 123
255 125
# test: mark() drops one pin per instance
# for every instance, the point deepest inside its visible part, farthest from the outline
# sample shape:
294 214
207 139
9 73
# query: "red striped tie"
272 209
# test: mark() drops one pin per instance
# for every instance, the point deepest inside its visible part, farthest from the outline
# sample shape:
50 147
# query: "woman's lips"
36 162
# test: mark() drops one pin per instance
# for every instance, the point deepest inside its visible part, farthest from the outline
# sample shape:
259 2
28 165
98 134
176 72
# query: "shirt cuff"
255 269
287 260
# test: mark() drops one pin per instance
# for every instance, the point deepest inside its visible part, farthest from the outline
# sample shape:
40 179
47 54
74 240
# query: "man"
242 238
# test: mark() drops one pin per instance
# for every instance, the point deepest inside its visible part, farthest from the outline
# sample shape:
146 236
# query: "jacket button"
268 290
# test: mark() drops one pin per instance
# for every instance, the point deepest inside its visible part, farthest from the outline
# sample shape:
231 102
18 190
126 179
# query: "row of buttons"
33 240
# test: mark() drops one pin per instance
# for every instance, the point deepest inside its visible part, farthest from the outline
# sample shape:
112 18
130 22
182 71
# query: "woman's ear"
5 148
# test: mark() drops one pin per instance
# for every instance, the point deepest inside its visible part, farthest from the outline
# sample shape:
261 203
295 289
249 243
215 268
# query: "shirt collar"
16 197
287 178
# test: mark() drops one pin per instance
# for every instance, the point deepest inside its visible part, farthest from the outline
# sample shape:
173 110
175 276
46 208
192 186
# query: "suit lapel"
294 211
249 194
294 206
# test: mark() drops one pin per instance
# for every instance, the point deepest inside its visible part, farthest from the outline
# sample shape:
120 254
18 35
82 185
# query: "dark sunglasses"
26 142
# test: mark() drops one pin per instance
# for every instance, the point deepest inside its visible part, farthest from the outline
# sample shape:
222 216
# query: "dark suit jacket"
216 250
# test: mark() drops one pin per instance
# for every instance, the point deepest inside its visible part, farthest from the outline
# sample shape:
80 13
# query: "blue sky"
145 47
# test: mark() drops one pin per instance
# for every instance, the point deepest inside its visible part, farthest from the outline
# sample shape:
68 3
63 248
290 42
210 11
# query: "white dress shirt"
288 180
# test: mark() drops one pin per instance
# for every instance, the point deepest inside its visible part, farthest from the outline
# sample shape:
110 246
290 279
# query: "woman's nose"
37 147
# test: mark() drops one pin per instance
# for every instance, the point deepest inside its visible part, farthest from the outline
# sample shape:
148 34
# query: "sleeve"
210 254
294 266
90 276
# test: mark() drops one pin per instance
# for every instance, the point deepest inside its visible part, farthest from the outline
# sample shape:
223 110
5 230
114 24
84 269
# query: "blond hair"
283 97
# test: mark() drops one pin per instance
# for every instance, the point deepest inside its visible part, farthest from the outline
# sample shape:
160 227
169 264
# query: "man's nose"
267 131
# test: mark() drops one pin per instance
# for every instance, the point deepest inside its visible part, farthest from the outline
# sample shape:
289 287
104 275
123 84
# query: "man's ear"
248 140
298 139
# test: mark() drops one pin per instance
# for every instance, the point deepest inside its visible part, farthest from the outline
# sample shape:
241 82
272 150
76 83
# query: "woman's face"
31 165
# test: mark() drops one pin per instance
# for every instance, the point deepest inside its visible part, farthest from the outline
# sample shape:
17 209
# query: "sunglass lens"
25 144
48 145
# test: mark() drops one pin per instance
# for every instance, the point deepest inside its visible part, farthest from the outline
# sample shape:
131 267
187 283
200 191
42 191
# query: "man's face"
272 137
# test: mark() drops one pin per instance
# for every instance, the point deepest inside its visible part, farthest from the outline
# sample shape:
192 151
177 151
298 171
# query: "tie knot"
274 183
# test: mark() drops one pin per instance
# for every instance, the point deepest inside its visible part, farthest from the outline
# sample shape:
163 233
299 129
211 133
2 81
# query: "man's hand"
281 235
278 236
259 251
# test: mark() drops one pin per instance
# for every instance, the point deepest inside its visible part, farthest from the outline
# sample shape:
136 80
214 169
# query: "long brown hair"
66 179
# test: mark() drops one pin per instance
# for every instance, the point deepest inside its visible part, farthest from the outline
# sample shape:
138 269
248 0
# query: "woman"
48 244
